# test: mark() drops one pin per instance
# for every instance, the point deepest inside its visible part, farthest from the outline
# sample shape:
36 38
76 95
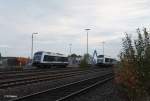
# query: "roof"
52 53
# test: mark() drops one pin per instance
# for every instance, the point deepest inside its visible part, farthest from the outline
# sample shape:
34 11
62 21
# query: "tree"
73 55
84 61
135 63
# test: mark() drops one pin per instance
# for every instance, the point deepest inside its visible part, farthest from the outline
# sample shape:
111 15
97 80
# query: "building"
74 59
14 61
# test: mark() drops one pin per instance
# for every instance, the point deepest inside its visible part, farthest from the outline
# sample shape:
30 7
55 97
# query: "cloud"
60 23
4 46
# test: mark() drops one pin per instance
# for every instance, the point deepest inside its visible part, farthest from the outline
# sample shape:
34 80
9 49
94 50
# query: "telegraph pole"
103 48
32 45
87 41
70 46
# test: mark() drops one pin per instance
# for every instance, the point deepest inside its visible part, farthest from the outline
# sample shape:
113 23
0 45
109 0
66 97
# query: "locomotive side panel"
49 59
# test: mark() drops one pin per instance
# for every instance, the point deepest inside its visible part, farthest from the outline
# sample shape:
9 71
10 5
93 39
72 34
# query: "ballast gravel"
23 90
104 92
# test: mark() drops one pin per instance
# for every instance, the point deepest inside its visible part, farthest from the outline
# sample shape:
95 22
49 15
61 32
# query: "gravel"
32 88
105 92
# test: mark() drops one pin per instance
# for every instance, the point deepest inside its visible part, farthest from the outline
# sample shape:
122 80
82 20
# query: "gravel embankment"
105 92
32 88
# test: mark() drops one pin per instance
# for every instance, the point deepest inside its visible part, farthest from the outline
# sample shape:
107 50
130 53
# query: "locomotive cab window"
37 56
107 59
65 59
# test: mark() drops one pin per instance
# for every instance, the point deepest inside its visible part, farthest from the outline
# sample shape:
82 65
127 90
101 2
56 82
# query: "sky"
62 22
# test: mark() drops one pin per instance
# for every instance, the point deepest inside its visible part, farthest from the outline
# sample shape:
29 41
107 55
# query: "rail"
39 78
67 91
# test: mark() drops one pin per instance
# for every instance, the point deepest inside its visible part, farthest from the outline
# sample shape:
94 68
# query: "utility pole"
103 48
70 46
87 41
32 45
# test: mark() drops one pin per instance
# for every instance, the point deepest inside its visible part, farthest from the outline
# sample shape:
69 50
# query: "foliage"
84 61
73 55
134 75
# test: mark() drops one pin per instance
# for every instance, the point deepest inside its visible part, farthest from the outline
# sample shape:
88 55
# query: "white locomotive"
102 60
49 59
105 61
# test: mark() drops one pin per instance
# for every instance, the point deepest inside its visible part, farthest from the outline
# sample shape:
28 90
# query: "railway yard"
64 84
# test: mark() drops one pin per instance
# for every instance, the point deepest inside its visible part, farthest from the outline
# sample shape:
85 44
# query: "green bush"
84 61
134 74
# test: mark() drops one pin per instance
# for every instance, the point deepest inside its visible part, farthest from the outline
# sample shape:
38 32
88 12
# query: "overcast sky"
62 22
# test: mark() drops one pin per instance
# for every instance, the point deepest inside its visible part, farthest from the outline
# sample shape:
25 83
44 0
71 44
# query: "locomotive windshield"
100 56
100 60
37 56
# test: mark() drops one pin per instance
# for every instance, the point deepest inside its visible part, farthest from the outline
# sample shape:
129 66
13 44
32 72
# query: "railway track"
30 70
29 74
68 91
17 74
7 83
20 71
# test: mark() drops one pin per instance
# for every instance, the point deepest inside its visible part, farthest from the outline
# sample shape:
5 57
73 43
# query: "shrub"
84 61
134 73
